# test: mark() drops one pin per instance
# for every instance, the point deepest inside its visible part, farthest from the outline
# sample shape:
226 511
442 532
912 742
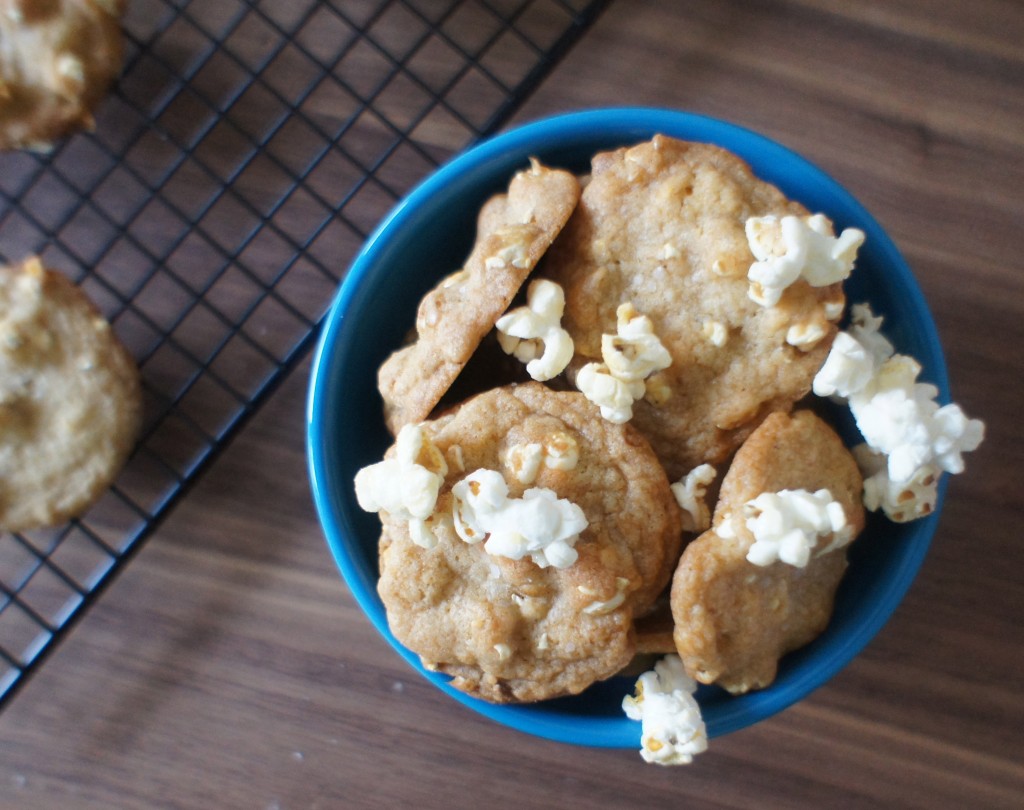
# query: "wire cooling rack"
243 157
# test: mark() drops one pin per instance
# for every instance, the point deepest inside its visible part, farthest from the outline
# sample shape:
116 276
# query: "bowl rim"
772 162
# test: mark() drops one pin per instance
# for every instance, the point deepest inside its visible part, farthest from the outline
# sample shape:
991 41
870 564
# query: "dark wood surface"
229 667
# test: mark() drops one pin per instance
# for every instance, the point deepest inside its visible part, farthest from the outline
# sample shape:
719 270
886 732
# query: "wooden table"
229 667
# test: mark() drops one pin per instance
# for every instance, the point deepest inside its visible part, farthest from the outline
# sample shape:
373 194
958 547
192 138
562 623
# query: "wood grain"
229 667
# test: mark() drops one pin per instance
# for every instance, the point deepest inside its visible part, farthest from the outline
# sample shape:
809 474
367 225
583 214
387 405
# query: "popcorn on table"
534 333
406 486
789 248
630 356
897 416
672 730
539 525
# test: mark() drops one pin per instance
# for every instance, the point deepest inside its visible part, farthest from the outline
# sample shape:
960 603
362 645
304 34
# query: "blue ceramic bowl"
428 235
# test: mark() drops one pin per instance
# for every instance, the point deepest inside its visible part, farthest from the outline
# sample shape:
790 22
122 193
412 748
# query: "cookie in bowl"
521 535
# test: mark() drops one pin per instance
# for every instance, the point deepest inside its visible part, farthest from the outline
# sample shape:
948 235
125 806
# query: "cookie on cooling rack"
57 60
513 232
70 399
480 597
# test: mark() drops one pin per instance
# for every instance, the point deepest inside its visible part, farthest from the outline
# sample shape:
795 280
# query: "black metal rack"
245 154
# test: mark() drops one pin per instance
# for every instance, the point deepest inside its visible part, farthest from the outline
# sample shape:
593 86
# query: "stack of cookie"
665 318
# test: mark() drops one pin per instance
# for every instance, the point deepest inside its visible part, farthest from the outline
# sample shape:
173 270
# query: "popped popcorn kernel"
630 356
672 731
513 251
524 460
534 334
690 495
614 395
559 451
657 390
539 525
900 501
599 607
716 333
635 352
456 459
788 525
406 487
805 336
897 415
789 248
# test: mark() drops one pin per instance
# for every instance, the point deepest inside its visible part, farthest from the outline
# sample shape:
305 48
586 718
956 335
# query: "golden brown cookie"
70 399
661 226
734 619
510 630
513 232
57 60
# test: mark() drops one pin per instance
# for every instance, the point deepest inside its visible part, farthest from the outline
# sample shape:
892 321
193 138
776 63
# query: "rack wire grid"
241 160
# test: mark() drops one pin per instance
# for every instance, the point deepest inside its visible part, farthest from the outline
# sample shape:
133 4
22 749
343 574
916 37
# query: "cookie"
661 226
733 619
510 630
70 399
57 62
513 232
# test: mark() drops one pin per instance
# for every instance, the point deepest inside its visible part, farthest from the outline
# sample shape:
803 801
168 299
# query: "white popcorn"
866 327
539 525
672 730
534 334
630 356
524 461
601 606
716 333
805 336
897 415
689 493
614 396
790 248
635 353
855 357
513 252
848 368
900 501
787 526
559 451
407 485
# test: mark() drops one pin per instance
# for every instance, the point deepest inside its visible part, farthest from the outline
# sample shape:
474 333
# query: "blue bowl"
428 235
